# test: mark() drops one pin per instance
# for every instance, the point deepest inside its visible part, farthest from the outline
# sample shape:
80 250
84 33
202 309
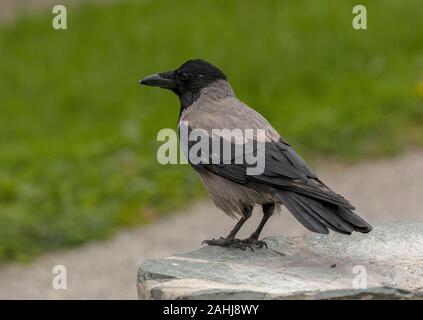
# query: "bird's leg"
268 209
238 226
230 240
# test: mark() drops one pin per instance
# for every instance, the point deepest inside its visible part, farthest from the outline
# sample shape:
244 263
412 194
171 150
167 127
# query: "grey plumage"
206 113
208 102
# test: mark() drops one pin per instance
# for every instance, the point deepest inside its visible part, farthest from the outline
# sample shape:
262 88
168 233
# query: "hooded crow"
207 102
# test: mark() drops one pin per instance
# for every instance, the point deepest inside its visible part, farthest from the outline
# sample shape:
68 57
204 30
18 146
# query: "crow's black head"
194 75
187 80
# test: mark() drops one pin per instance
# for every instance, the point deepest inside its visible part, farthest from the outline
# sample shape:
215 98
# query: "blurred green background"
78 134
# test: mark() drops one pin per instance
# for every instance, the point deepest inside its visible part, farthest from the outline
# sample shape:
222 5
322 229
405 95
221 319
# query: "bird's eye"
184 76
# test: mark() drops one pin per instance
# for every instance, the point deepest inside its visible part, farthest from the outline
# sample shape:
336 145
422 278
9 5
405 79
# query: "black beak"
163 80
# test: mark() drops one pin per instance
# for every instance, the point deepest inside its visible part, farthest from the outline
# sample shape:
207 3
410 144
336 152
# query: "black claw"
237 243
263 244
229 243
247 246
253 242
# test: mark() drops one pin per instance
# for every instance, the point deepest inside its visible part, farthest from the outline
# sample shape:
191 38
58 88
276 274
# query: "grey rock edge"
331 266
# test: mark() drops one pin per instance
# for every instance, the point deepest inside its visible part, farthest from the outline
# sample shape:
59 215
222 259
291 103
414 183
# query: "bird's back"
218 108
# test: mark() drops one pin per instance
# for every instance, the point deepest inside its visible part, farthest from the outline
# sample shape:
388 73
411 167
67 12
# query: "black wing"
284 169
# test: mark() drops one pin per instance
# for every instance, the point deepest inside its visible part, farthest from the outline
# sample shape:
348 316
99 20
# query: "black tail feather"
318 216
301 215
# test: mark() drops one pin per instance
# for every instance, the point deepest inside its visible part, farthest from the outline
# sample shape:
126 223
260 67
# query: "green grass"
78 148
